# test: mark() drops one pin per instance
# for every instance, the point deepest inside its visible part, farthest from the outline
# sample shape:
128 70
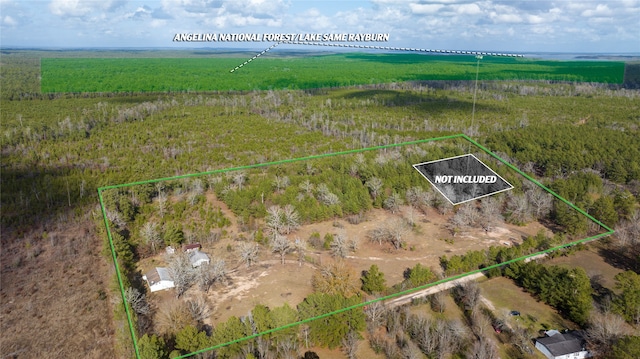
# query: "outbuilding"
198 258
159 279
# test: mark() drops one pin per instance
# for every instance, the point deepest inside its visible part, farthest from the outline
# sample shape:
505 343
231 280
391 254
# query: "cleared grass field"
593 264
302 72
507 296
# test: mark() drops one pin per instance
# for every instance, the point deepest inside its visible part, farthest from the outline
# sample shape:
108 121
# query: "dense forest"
578 139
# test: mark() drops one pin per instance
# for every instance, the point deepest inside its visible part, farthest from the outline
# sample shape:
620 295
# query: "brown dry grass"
53 294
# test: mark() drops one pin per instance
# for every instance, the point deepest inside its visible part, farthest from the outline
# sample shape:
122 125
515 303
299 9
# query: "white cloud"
79 8
467 9
158 23
455 24
314 20
257 8
141 12
227 13
9 21
505 18
601 10
422 9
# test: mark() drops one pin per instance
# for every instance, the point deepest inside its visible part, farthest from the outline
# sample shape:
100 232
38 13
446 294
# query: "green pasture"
303 72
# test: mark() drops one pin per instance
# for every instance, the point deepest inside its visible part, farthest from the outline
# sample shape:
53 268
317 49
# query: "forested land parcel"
58 295
332 70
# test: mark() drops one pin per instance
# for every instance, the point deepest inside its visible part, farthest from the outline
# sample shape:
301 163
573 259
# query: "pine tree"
373 280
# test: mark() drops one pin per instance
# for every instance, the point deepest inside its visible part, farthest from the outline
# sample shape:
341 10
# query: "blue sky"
491 25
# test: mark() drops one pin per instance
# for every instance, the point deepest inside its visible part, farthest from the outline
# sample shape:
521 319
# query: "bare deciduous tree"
239 178
375 185
137 301
209 274
482 349
213 181
282 220
603 331
479 323
249 252
375 313
182 272
281 245
173 316
307 187
197 188
287 347
350 344
422 331
411 351
378 234
291 219
392 231
419 198
491 215
393 202
162 204
520 338
451 336
198 308
281 182
519 208
275 220
151 235
398 228
438 303
541 201
469 294
341 246
116 218
301 249
326 196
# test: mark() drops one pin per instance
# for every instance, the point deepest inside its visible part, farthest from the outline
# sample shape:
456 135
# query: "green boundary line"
360 305
118 275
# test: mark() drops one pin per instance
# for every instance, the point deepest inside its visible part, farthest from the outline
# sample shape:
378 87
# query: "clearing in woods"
267 281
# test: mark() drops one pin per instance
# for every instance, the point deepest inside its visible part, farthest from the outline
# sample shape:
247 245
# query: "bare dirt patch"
425 244
272 284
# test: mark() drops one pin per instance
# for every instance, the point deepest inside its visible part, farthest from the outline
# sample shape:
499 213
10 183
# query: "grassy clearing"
595 266
213 74
506 296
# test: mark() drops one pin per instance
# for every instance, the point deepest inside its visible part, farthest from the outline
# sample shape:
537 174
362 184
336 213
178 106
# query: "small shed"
198 258
192 247
159 279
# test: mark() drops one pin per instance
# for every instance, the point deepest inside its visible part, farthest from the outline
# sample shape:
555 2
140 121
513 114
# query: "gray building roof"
158 274
197 256
563 343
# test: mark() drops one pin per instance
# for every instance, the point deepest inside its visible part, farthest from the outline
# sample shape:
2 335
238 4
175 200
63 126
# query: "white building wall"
162 285
578 355
544 350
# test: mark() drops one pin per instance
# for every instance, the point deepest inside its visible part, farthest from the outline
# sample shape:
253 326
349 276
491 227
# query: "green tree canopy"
151 347
373 280
190 339
626 348
330 330
627 303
